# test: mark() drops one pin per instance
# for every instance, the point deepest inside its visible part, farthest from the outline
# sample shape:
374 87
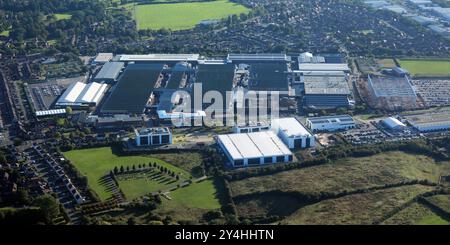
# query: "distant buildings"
293 133
254 149
153 136
330 123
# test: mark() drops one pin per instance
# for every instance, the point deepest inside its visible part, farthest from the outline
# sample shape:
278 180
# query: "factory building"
109 72
81 94
245 58
159 58
325 92
430 122
153 136
293 133
330 123
251 127
254 149
393 123
307 67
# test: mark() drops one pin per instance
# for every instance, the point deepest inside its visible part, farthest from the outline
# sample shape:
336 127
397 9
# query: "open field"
386 63
191 202
347 174
96 163
190 162
416 214
182 16
367 208
427 68
63 16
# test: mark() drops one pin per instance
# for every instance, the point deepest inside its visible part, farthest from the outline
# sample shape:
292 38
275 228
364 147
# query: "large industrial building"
133 90
153 136
159 58
82 95
429 122
308 67
109 72
253 149
293 133
324 92
330 123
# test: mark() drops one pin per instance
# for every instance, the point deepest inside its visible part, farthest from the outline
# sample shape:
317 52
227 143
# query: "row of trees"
139 167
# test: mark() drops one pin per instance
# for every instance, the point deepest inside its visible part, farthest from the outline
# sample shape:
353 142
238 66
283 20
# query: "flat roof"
160 57
50 112
326 85
133 90
110 71
268 77
175 80
323 67
216 78
82 93
253 145
331 119
429 119
291 126
258 57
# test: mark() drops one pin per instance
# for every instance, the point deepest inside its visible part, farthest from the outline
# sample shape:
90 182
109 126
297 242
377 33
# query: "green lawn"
97 162
415 214
182 16
427 68
63 16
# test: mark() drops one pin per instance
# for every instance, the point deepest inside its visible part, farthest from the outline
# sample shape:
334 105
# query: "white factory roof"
103 57
80 93
50 112
305 67
253 145
393 122
290 126
160 57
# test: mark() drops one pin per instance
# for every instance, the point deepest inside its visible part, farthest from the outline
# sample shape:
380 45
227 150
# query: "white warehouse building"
153 136
82 94
253 149
330 123
293 133
393 123
430 122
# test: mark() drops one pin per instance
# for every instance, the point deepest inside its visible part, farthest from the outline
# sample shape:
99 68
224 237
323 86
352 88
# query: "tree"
116 170
69 110
177 177
154 164
139 166
121 169
128 168
49 207
134 167
144 165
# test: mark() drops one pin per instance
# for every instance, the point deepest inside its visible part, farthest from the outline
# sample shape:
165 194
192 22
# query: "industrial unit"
153 136
429 122
251 127
326 92
109 72
393 123
82 95
293 133
253 149
330 123
307 67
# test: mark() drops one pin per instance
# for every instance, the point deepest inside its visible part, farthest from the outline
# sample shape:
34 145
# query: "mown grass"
367 208
182 16
63 16
426 68
347 174
97 162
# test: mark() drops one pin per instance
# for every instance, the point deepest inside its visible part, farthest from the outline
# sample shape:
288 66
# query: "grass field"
190 203
347 174
416 214
386 63
182 16
364 208
63 16
96 163
427 68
